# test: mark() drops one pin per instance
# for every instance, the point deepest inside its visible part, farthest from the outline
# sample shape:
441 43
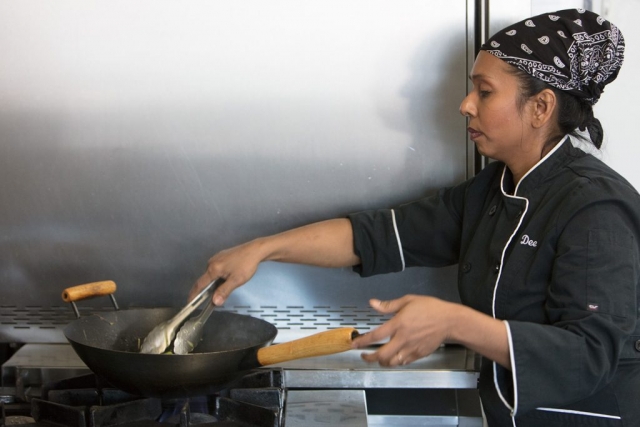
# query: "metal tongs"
160 337
189 335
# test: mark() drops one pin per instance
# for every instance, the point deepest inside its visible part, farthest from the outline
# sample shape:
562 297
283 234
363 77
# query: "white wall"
617 107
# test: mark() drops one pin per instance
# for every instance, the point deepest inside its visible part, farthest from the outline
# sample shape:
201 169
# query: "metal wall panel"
139 138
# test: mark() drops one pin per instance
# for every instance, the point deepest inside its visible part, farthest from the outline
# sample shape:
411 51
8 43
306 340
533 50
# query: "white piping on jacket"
588 414
395 229
514 409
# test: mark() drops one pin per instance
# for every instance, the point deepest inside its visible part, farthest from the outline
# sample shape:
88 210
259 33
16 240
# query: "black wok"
109 343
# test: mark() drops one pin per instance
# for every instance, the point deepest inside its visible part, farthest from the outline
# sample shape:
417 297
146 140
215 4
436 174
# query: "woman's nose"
466 107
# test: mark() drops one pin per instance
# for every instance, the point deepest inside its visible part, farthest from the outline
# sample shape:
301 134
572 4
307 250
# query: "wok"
109 343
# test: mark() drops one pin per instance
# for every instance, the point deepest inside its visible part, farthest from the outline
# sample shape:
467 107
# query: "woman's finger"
390 306
394 353
380 333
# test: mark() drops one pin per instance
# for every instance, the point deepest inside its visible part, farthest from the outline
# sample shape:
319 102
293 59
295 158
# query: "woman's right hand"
236 266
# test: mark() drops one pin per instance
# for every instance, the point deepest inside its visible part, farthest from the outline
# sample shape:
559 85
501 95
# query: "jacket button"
466 267
497 268
638 345
493 210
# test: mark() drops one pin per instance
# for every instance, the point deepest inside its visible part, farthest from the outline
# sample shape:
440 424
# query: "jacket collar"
562 153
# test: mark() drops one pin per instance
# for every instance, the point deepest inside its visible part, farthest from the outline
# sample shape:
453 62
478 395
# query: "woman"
546 238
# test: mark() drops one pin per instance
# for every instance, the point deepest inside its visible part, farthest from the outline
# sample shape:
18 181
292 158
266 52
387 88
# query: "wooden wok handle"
89 290
321 344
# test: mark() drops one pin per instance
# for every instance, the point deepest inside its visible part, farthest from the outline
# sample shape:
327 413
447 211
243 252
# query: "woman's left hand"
420 325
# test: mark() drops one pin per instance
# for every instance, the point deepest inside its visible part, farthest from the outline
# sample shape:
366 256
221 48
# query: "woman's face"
500 130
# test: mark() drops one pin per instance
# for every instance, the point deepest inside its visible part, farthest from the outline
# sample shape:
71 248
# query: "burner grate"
253 400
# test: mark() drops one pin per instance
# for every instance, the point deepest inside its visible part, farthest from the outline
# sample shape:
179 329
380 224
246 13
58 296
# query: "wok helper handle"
321 344
90 290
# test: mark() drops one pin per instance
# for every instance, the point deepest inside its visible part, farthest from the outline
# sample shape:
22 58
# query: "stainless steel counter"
319 408
448 367
349 408
439 390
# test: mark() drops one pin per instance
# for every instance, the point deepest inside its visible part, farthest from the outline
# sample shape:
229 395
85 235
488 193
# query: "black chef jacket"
556 257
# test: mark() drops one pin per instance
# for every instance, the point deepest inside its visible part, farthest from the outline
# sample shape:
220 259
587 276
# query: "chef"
547 239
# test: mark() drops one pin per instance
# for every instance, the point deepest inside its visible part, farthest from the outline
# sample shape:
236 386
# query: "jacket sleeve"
422 233
591 304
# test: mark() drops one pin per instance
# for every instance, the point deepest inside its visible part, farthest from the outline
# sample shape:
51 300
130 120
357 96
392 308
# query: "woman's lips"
473 134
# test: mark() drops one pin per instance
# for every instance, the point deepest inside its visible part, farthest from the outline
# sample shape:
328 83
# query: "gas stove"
49 380
47 385
254 400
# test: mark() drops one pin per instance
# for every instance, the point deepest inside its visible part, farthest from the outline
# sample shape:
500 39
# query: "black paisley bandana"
573 50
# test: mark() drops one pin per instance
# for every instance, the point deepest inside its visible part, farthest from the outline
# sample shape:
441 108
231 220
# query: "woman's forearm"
482 334
324 244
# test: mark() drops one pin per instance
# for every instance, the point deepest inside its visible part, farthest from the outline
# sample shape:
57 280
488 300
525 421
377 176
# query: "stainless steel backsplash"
136 140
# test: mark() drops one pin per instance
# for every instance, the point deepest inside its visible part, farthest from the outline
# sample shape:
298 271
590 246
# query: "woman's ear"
544 106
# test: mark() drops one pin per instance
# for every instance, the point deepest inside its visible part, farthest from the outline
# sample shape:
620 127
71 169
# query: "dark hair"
573 113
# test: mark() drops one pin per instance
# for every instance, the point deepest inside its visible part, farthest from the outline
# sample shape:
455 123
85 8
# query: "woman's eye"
484 93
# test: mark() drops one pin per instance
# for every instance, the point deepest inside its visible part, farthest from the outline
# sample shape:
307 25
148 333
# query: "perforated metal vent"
37 323
45 324
316 317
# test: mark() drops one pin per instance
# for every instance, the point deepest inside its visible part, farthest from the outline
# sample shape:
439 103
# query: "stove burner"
197 409
255 400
